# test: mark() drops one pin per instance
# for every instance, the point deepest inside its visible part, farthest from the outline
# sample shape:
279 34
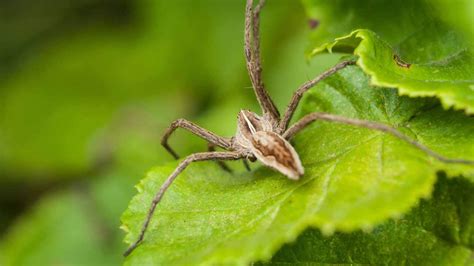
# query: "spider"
264 137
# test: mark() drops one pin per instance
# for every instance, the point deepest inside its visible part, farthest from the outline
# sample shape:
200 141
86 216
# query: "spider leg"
223 165
196 130
203 156
295 99
307 119
252 56
246 164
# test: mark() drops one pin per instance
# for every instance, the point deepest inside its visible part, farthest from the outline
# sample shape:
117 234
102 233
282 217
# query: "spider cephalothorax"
264 137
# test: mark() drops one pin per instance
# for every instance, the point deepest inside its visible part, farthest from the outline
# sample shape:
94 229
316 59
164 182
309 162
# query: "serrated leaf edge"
445 98
267 251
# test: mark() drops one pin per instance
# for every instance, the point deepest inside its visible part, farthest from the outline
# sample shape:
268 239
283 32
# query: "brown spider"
264 138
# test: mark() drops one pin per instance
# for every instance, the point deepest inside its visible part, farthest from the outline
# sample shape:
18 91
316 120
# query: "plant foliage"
355 179
408 46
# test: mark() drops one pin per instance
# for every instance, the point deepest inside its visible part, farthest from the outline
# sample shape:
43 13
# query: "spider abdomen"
276 152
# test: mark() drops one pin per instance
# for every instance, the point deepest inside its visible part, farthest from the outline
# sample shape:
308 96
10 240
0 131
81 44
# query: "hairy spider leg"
196 130
246 164
223 165
309 118
203 156
253 61
298 94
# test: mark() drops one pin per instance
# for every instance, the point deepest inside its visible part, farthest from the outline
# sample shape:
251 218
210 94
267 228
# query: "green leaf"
355 178
439 231
421 57
110 192
446 132
449 78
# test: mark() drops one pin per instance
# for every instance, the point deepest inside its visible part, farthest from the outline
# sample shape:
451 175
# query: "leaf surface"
355 178
408 47
440 231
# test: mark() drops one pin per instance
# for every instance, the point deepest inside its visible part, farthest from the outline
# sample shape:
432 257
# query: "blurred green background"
87 87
